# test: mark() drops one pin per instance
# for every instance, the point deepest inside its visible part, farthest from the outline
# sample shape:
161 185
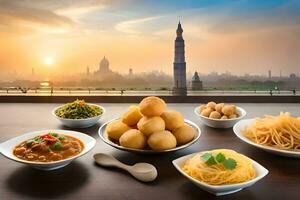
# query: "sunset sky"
64 36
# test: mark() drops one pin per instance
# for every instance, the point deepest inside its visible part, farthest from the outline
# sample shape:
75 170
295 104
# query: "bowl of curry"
48 149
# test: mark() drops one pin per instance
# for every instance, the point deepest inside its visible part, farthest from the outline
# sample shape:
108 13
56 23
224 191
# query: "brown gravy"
49 147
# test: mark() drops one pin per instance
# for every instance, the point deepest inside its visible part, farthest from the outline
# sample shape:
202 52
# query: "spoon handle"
109 161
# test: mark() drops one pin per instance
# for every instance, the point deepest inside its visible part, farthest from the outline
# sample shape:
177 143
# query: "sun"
48 60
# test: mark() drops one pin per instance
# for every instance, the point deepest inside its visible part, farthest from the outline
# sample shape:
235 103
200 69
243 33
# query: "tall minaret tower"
179 65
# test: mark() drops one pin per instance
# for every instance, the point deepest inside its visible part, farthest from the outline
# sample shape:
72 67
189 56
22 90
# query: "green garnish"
58 145
54 134
208 159
38 139
61 137
220 157
228 163
78 109
29 142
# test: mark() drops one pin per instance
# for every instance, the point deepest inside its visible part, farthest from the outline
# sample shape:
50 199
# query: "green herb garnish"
229 163
54 134
209 159
58 145
29 142
61 137
220 157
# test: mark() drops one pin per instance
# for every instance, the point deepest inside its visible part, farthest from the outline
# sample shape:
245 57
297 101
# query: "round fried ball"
132 116
228 110
116 128
173 119
215 115
224 117
219 107
162 140
233 116
206 112
148 125
184 134
201 108
152 106
211 105
133 139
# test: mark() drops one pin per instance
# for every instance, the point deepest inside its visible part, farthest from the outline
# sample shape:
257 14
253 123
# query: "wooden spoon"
142 171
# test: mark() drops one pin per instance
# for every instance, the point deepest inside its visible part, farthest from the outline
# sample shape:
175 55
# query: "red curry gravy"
49 147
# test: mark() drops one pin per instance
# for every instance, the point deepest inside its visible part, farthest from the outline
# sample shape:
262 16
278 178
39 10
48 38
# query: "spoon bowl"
144 172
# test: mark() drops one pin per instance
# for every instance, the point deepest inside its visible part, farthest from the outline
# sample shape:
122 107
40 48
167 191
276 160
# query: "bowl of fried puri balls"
220 115
150 128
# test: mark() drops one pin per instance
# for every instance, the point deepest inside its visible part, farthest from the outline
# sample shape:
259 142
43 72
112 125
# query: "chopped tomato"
48 138
82 103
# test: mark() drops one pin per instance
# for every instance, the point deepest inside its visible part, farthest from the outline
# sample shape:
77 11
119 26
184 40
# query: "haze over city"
60 37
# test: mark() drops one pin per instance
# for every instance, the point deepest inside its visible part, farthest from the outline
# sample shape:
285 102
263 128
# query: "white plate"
6 148
221 123
241 125
105 138
220 190
79 123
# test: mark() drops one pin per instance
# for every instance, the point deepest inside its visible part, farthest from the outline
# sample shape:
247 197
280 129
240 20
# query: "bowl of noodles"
220 171
275 134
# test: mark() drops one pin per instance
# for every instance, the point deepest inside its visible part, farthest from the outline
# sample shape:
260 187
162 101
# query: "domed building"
196 82
104 66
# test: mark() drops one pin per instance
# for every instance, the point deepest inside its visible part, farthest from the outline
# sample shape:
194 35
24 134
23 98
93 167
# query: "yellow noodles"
217 174
282 132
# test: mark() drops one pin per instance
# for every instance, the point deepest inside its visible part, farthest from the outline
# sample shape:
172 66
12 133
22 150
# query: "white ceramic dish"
79 123
241 125
6 148
220 190
105 138
221 123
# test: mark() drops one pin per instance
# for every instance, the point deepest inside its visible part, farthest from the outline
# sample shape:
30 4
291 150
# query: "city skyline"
66 36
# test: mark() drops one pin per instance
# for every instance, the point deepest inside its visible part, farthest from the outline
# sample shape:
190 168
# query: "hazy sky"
64 36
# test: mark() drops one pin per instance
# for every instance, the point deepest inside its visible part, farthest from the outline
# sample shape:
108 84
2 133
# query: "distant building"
280 74
293 76
270 74
196 82
130 72
103 67
179 65
32 72
87 70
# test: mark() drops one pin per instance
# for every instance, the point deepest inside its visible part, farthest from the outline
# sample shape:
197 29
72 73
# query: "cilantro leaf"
209 159
229 163
220 157
58 145
206 156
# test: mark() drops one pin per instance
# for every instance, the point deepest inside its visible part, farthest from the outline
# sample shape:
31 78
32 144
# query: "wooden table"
82 179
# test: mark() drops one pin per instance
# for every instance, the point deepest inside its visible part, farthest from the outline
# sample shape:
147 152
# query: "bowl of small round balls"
219 115
150 128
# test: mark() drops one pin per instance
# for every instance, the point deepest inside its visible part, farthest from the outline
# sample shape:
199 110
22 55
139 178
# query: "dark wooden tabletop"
82 179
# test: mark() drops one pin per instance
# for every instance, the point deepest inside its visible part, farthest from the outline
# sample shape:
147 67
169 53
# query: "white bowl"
79 123
241 125
6 148
220 190
104 137
221 123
